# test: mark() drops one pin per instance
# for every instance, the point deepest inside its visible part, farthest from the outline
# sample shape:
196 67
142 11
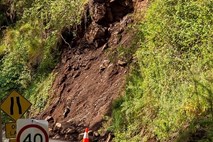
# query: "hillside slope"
130 70
90 75
170 89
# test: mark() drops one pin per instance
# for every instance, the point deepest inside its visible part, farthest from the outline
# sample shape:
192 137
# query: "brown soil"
88 79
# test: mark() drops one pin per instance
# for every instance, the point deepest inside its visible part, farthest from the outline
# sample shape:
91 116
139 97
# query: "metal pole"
1 136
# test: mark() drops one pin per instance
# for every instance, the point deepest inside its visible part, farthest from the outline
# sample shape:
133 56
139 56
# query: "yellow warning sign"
15 105
10 130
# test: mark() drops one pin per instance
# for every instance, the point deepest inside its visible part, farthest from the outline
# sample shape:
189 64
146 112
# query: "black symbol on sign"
12 105
28 138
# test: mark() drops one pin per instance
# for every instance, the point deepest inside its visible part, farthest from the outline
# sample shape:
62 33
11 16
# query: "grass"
38 92
170 88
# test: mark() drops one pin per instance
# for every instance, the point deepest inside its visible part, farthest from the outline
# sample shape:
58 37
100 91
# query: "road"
57 141
6 140
49 141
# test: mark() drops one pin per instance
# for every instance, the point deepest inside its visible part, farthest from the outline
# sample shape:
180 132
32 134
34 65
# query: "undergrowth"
169 93
29 48
38 92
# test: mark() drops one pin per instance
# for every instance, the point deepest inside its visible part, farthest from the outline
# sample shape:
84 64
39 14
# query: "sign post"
1 136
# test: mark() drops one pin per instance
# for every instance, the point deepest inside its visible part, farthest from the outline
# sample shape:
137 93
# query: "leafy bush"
14 73
173 84
28 49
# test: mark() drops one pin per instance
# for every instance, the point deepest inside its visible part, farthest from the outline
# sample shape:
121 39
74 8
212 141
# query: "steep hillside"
91 74
130 70
30 45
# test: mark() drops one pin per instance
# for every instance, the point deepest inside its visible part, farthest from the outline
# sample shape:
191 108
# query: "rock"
125 21
51 133
80 136
66 112
70 130
98 12
56 137
95 32
122 63
66 136
63 61
117 39
96 134
118 30
120 8
58 126
49 119
104 65
76 67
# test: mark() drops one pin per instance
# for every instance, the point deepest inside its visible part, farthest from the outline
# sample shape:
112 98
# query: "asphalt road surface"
49 141
6 140
57 141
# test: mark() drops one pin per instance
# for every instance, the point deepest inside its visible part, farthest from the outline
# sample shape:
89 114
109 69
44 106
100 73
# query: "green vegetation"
169 93
28 47
38 92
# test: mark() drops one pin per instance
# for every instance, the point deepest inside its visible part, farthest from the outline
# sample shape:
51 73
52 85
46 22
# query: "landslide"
89 77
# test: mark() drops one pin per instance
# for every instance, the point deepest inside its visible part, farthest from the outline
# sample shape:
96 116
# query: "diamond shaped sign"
15 105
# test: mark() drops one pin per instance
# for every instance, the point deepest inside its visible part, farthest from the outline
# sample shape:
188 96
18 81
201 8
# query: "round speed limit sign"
31 130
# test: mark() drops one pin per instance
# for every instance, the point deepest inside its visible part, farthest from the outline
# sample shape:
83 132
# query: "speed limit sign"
31 130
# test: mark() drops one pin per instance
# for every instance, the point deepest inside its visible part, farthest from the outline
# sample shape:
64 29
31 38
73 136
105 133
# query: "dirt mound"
87 80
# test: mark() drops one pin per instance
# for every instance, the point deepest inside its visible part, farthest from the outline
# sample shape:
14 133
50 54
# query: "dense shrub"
14 73
172 85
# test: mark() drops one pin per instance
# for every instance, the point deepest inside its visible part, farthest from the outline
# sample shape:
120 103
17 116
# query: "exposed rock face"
87 81
120 8
49 119
96 34
98 12
109 11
